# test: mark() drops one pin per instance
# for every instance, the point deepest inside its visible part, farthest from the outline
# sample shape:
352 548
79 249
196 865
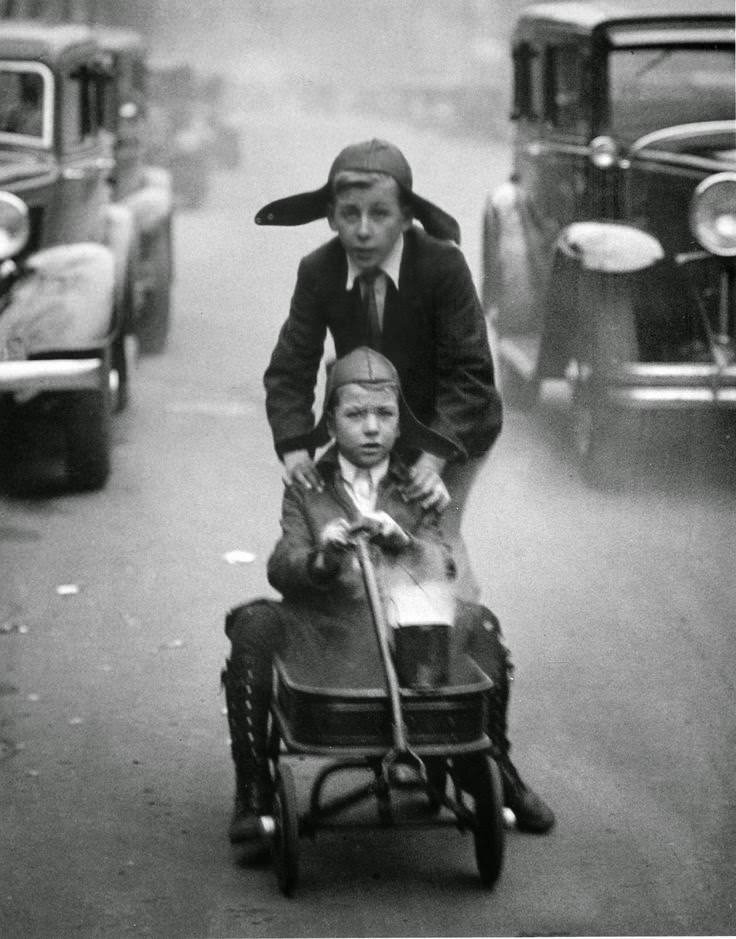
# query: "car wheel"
489 271
605 436
119 375
517 393
86 419
153 329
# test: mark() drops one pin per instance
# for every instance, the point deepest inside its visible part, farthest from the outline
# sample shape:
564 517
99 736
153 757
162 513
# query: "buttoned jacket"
434 332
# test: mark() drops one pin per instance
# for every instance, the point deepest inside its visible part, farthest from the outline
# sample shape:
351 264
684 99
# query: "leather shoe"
249 806
532 812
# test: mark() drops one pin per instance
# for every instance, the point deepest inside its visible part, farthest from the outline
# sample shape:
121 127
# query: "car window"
82 107
564 98
21 103
654 88
528 83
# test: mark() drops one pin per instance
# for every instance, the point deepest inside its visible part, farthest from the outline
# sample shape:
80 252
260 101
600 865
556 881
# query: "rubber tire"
601 438
285 841
517 394
481 779
86 418
120 364
604 437
154 326
489 264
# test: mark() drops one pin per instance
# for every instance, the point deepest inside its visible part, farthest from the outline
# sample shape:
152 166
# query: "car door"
564 145
85 157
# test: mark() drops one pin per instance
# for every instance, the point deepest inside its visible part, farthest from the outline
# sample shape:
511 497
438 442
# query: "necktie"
363 489
370 307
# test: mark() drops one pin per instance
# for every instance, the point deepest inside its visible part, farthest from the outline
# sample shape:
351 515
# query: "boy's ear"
330 421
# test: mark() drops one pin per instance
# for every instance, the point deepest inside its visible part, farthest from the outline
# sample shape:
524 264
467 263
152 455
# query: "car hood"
16 167
709 146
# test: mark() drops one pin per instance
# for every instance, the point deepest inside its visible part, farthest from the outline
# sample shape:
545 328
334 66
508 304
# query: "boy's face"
365 423
368 220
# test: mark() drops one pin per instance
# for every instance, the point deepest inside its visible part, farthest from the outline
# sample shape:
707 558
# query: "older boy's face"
365 424
369 220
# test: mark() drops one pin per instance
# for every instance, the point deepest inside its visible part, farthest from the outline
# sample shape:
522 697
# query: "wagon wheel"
481 779
285 841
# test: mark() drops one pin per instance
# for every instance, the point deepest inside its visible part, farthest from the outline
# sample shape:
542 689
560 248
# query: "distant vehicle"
609 257
145 191
69 254
214 93
180 136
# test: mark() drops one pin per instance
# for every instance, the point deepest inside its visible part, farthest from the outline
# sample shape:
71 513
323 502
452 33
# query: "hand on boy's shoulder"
425 485
300 470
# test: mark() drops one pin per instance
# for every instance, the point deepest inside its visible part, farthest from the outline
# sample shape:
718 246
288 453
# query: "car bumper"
33 376
688 385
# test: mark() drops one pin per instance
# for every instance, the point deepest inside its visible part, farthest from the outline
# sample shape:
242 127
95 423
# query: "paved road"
115 781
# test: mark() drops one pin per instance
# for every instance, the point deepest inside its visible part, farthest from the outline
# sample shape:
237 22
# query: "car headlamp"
713 214
14 225
603 152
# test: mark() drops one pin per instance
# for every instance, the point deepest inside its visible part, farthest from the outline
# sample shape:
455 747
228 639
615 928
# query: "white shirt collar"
390 265
349 470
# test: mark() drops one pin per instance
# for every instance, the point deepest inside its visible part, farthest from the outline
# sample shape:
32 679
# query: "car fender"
151 205
514 272
120 238
63 303
609 247
585 254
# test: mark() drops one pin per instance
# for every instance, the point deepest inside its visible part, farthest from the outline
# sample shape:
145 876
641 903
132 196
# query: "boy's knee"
254 628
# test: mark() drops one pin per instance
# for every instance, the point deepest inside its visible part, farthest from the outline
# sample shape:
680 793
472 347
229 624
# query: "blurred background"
434 61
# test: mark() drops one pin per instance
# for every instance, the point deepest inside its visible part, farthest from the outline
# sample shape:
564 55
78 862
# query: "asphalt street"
115 776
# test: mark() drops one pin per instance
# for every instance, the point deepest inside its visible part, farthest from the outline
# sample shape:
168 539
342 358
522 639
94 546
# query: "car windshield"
655 88
21 104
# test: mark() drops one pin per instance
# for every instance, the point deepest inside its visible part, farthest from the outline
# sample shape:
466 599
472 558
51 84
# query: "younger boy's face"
369 220
365 424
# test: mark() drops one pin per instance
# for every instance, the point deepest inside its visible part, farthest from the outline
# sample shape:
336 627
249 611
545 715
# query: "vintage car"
68 253
145 191
609 255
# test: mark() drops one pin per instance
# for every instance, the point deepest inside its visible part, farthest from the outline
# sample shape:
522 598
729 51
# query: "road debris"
73 721
173 644
239 557
13 626
67 590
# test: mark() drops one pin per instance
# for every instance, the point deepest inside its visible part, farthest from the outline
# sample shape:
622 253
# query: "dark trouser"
459 479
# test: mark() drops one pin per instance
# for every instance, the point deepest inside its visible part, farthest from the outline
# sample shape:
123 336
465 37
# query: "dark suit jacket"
434 332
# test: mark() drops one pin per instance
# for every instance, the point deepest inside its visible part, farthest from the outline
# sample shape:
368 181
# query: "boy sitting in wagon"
325 616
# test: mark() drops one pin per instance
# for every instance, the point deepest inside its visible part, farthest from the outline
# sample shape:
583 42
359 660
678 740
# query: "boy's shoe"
532 812
249 806
243 824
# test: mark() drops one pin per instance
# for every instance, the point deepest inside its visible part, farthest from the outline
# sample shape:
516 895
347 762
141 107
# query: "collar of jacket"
329 468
